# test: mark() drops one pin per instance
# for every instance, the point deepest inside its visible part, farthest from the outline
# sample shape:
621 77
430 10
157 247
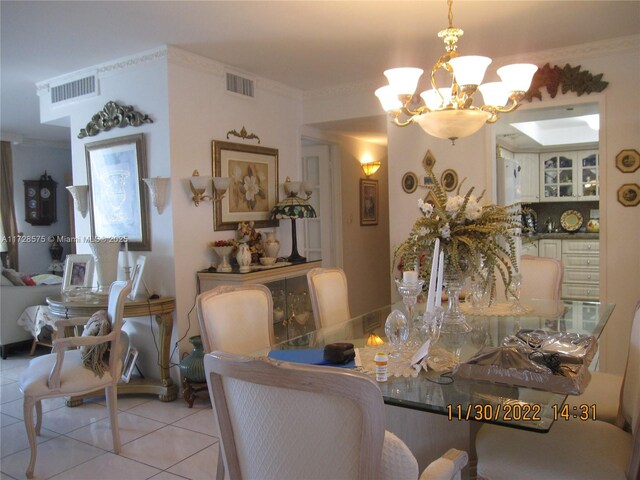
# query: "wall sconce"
369 168
158 190
198 186
80 194
220 186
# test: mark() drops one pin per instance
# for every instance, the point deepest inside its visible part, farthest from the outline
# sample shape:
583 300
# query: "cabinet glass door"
558 172
589 167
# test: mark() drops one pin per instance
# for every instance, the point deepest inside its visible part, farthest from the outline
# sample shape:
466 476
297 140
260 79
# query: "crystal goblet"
396 328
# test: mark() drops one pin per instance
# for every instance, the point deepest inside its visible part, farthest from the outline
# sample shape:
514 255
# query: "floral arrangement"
477 239
221 243
248 234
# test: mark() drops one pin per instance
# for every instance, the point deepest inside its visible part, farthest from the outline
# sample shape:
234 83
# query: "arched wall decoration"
571 78
111 116
243 134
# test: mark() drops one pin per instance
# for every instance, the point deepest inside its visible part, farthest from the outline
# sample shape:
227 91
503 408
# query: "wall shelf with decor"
288 285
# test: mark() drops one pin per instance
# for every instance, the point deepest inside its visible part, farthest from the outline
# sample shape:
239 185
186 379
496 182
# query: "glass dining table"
463 399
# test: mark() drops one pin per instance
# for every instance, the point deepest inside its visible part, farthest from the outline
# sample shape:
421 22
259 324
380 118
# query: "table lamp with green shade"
294 207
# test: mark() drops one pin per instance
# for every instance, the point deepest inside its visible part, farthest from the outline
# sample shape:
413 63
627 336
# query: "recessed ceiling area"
535 129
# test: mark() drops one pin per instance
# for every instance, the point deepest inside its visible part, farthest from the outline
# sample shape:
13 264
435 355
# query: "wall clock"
40 200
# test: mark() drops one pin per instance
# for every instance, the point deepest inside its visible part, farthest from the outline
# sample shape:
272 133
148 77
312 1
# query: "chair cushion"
74 377
397 461
96 357
571 450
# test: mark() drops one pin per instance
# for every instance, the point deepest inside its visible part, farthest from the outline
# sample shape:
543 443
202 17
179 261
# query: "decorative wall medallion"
628 161
111 116
629 194
409 182
449 180
429 161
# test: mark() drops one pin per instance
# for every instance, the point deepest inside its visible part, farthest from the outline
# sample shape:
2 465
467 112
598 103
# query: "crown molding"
574 52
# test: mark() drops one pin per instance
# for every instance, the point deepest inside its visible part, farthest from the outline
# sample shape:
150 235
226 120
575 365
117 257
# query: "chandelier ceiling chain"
448 112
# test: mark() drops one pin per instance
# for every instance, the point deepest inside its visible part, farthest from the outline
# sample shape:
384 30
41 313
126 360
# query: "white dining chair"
572 449
541 279
329 293
236 318
279 420
62 373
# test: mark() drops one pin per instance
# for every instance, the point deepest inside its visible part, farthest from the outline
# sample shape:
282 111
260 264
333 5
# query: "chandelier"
447 112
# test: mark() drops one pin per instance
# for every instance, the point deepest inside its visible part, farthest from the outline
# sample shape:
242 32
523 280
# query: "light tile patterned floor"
163 441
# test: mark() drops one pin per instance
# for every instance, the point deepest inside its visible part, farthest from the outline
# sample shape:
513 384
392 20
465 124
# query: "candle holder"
410 292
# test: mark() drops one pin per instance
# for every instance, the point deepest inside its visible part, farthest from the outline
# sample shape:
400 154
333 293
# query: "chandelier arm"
398 123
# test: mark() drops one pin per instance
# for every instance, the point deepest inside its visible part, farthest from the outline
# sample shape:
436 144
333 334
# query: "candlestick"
433 276
438 299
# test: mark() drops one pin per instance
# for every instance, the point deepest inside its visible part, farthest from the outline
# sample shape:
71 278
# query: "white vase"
106 253
271 245
244 257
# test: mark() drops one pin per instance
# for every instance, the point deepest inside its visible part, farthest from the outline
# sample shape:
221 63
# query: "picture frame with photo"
253 189
137 282
369 202
78 272
117 200
129 364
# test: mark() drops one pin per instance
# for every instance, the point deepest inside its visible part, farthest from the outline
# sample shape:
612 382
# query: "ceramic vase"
244 257
271 245
192 366
106 253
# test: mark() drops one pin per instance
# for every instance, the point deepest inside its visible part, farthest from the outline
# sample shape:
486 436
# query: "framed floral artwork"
118 204
253 189
369 202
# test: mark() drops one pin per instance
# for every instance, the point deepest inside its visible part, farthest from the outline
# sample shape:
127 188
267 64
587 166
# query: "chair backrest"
329 296
281 420
236 319
118 292
630 407
541 279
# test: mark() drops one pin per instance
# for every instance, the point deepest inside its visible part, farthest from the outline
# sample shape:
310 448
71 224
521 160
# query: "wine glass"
397 330
514 290
410 292
433 324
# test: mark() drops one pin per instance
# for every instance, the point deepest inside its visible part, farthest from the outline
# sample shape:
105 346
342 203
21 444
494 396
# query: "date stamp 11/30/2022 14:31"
527 412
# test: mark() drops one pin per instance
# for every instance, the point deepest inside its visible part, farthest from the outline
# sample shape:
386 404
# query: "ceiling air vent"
74 89
240 85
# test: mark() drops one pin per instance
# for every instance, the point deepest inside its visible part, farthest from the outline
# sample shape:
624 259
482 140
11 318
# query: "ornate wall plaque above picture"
111 116
253 188
629 194
628 161
409 182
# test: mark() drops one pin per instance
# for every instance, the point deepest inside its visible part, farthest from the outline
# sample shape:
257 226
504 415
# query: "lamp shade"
403 81
80 194
434 101
517 77
293 207
388 98
494 93
452 124
158 189
469 69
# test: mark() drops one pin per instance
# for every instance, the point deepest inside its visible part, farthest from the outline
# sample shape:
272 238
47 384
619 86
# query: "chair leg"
38 416
112 405
28 407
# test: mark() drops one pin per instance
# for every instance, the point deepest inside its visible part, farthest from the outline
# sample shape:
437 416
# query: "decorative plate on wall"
409 182
571 220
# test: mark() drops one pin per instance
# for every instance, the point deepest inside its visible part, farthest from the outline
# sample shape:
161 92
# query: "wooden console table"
162 309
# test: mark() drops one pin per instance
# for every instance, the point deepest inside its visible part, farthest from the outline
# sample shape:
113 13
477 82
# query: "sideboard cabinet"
292 312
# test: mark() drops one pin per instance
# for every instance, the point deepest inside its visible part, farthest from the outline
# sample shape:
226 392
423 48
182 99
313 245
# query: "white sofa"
13 301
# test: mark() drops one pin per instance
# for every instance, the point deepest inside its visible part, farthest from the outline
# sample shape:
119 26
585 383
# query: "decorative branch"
243 134
111 116
571 79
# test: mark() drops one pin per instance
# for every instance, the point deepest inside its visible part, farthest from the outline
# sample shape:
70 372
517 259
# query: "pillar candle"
432 277
410 276
438 298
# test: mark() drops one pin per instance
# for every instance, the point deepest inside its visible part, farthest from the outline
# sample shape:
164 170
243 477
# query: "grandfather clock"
40 200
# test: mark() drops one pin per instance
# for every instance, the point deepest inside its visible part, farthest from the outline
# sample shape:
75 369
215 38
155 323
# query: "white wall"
29 163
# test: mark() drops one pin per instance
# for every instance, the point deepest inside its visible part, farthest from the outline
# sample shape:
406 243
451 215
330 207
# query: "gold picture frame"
409 182
369 202
252 169
628 161
449 180
629 194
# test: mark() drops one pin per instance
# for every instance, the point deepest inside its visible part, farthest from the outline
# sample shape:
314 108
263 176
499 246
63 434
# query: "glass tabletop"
463 399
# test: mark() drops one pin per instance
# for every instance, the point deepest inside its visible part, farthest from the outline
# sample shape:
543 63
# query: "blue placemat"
309 356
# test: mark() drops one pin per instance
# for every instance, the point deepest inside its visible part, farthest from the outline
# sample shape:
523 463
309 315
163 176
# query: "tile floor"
162 441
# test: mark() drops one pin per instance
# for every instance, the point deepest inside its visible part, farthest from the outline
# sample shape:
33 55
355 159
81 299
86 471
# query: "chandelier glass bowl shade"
448 112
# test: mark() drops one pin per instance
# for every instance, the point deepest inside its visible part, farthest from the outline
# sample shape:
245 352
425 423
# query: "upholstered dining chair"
236 318
541 279
62 373
279 420
329 296
571 449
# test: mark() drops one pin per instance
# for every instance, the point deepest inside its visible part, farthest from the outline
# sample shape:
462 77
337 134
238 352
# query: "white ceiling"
306 45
